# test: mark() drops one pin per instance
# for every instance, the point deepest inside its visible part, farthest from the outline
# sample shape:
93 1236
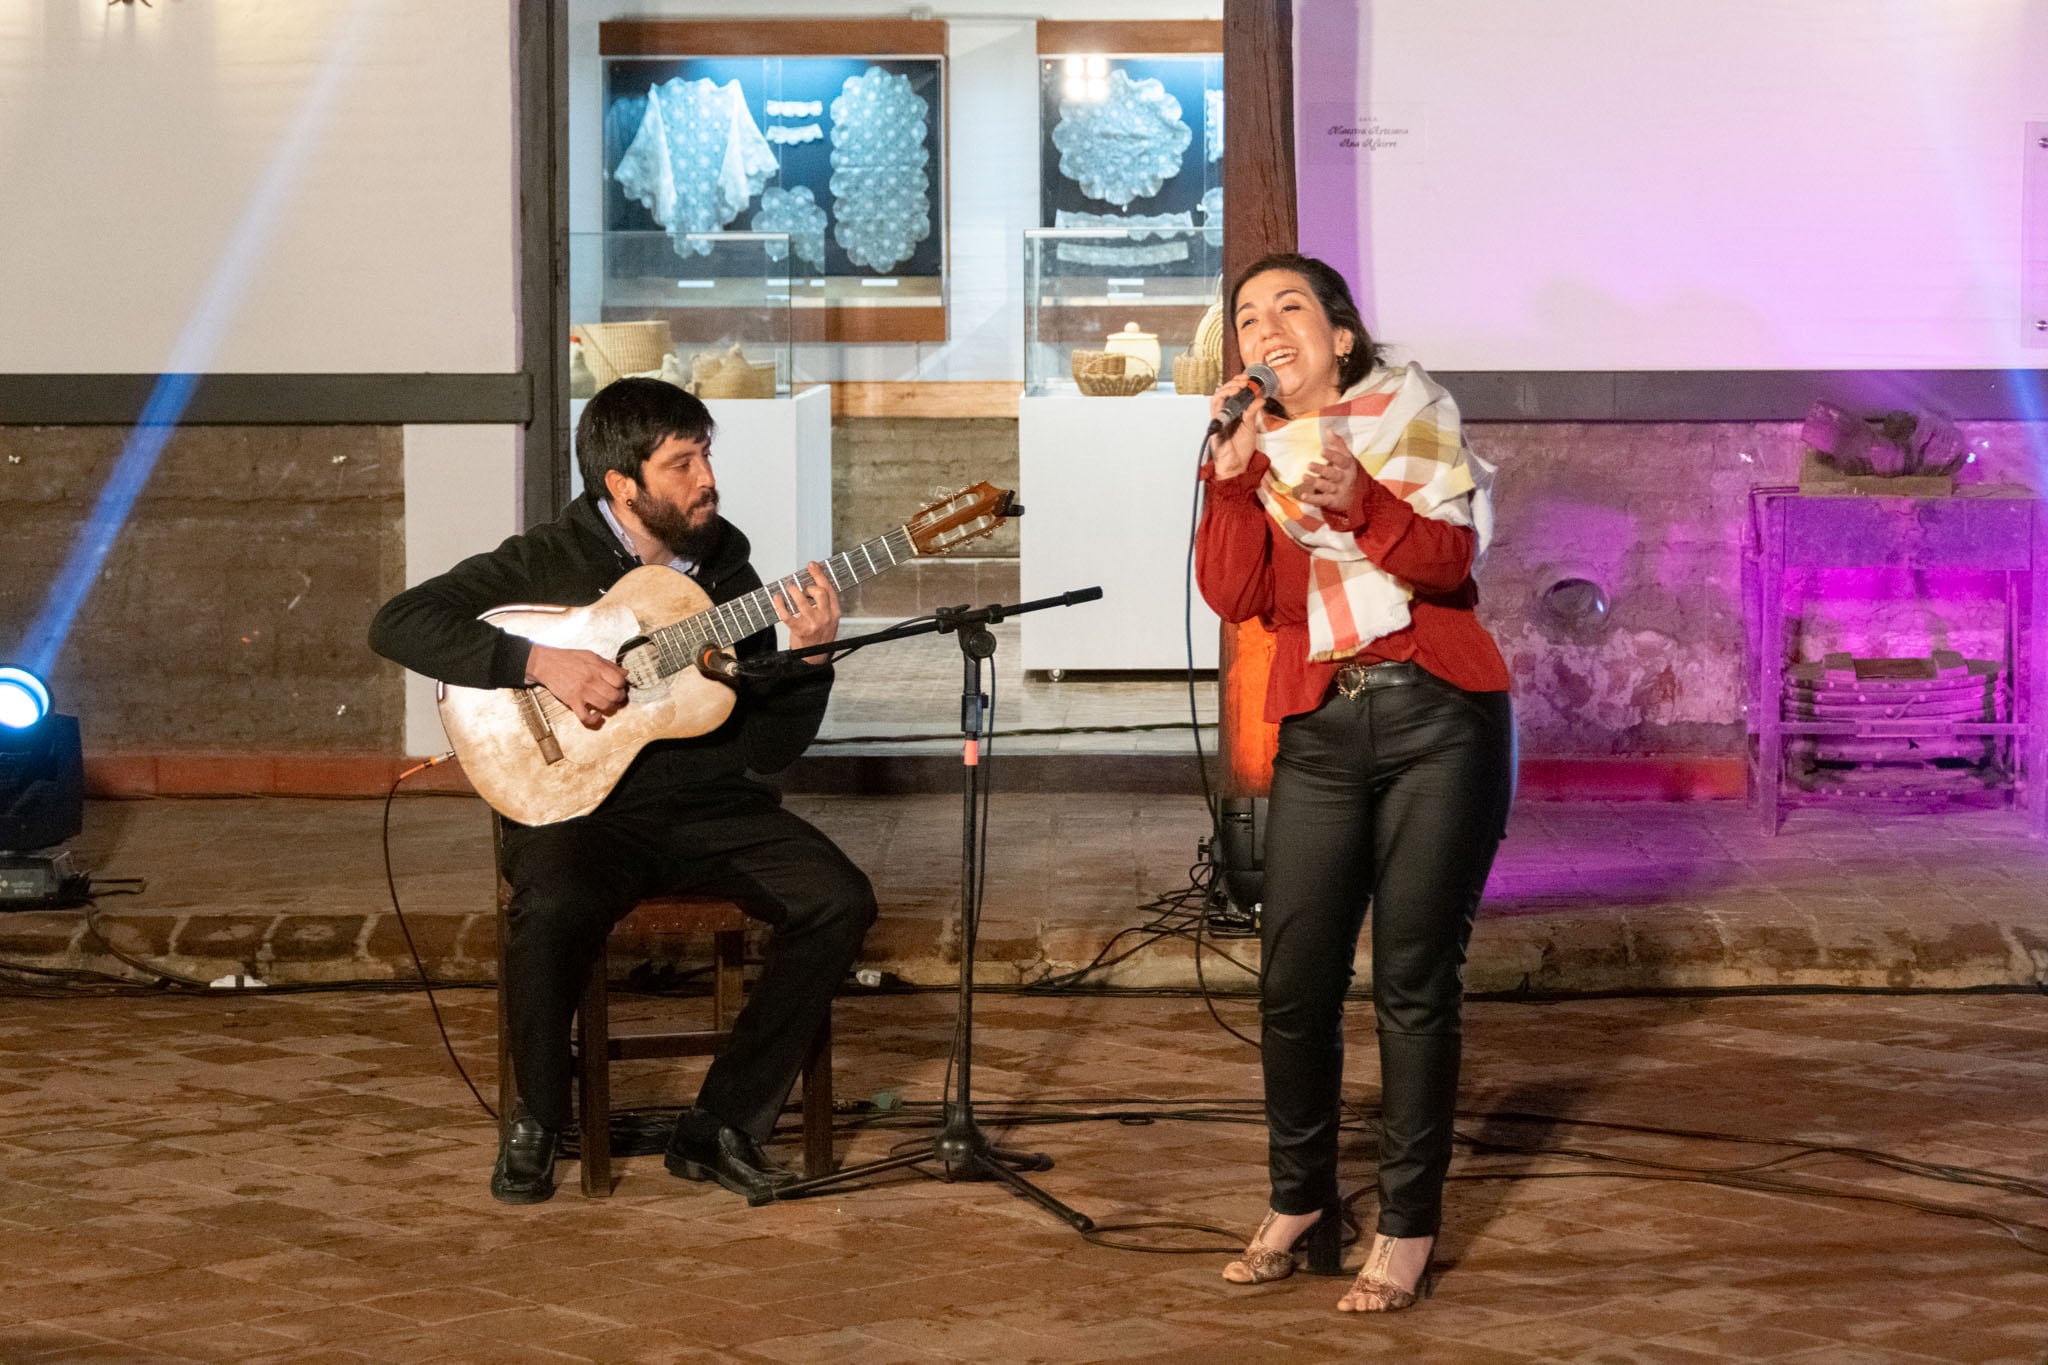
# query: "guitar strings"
676 645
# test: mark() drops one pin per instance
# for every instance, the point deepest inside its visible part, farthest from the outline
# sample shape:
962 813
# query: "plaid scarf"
1403 428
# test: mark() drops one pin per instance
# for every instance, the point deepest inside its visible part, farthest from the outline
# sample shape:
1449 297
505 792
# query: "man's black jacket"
433 629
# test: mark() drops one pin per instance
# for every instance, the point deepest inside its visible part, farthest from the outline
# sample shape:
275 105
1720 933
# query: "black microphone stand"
962 1149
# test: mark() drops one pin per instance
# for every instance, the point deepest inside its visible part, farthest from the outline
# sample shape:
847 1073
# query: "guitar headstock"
954 520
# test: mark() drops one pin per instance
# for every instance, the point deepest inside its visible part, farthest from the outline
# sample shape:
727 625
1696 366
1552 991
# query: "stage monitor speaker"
1240 852
42 881
42 784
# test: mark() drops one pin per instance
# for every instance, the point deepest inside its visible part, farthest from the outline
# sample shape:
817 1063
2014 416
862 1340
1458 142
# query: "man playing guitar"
690 815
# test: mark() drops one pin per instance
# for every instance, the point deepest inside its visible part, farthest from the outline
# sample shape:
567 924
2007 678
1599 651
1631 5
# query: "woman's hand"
1332 481
1232 449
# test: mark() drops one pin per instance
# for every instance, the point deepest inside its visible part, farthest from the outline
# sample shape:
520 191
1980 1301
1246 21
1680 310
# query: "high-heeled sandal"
1388 1296
1263 1264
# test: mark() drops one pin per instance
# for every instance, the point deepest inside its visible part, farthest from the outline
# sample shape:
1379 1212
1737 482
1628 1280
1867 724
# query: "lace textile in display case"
1137 248
697 160
1124 146
795 212
1121 147
841 153
879 184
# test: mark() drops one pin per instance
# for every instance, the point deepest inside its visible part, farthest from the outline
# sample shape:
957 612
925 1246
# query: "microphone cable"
1214 887
391 884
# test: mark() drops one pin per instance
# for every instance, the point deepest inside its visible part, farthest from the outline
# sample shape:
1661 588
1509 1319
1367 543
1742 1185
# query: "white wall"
1608 184
320 186
257 186
461 498
992 162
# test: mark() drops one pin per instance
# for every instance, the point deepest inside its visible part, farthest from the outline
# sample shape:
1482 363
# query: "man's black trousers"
573 881
1394 799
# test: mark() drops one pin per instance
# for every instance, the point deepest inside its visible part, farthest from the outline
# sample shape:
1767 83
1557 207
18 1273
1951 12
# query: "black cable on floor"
1022 733
1526 995
1749 1177
1187 624
391 884
162 976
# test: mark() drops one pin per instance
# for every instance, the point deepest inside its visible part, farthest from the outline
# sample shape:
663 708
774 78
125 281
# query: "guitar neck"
730 622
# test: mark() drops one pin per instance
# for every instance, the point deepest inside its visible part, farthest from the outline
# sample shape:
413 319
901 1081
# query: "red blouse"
1245 569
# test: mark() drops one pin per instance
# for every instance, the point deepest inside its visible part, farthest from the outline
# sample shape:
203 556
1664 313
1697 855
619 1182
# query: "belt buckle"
1351 681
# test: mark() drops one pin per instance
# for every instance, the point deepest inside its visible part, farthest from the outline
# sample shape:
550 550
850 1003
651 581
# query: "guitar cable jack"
435 761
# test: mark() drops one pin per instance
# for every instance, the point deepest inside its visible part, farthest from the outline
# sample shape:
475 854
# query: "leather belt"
1353 679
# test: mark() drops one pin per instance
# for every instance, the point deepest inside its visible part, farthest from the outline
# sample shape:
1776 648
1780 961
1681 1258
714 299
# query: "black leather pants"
1395 798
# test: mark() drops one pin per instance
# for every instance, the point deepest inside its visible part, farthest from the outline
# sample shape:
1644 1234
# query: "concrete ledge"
117 776
848 771
1560 952
1584 897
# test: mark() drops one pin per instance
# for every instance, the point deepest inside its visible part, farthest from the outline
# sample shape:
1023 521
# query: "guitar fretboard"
678 644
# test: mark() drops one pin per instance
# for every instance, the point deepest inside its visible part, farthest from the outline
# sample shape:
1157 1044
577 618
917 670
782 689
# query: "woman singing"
1345 512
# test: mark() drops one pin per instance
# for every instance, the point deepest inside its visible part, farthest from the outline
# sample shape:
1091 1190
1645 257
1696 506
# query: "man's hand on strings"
590 685
810 610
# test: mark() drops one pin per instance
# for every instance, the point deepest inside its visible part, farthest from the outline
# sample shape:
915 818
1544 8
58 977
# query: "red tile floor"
302 1178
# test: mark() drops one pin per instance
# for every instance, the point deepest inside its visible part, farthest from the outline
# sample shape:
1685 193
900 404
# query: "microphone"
1261 380
714 662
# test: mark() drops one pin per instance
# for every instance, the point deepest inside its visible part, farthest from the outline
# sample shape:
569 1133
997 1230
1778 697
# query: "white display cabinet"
773 461
706 311
1109 483
1109 475
1144 291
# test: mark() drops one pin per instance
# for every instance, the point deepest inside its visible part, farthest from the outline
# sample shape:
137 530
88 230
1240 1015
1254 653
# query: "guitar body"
502 733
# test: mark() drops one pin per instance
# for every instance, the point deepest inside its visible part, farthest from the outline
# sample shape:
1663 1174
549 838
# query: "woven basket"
1209 336
614 350
729 374
738 381
1111 374
1196 374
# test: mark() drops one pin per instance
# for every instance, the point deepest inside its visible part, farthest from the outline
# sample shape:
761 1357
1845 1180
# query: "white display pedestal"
772 458
1107 485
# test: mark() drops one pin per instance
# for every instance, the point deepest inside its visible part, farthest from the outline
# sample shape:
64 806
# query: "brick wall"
231 611
1656 514
885 468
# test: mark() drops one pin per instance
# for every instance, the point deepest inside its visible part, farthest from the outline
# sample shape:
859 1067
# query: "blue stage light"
23 698
42 792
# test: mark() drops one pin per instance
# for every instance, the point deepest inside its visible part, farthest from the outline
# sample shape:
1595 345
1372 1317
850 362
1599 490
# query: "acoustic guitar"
537 764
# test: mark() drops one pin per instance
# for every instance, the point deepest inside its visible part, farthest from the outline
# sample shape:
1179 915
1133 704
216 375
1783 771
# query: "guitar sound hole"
642 664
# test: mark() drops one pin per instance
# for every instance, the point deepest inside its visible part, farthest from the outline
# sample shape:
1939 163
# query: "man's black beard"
673 527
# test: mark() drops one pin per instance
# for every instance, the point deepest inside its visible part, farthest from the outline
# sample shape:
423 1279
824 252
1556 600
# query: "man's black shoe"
702 1148
525 1173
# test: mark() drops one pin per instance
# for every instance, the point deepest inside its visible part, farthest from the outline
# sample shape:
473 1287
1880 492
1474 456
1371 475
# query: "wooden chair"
596 1046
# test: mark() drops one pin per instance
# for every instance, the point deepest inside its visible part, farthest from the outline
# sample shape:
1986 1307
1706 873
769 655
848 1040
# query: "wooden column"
541 31
1258 218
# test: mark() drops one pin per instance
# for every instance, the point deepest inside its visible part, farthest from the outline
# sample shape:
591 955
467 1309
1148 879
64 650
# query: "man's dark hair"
626 420
1335 296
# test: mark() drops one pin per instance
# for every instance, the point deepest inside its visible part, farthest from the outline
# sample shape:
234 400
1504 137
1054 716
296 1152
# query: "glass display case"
1105 307
1131 140
708 311
841 154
